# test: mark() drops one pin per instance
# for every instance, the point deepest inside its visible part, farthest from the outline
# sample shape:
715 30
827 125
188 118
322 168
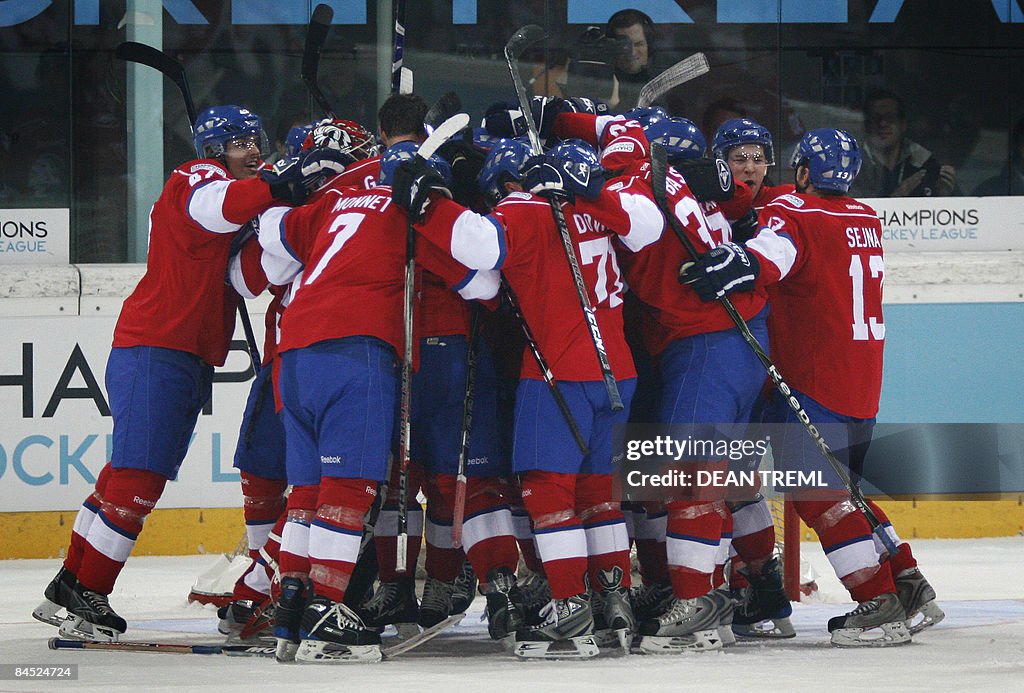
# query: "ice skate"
393 604
295 594
566 631
614 624
763 609
650 600
687 624
56 594
504 605
727 608
536 593
878 622
917 598
90 617
332 632
436 604
464 591
246 619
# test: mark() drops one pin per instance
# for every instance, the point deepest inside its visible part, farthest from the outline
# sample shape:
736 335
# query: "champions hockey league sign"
35 236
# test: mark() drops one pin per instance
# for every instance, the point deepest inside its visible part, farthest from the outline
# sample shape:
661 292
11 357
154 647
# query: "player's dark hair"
403 114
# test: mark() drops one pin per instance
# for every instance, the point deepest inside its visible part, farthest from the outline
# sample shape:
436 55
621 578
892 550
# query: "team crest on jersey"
724 175
792 199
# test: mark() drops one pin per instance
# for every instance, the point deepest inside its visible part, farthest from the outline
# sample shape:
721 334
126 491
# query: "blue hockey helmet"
501 166
294 139
647 115
740 131
833 157
405 150
576 151
681 138
217 126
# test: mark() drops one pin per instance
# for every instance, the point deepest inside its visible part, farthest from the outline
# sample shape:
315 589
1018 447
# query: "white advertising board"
950 223
56 432
35 236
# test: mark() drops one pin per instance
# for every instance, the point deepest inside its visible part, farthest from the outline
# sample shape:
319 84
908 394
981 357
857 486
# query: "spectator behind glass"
638 28
1009 181
895 165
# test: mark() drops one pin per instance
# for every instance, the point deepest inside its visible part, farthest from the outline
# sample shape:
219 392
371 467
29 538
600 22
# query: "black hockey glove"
744 228
720 271
553 176
467 160
506 119
412 184
292 180
709 179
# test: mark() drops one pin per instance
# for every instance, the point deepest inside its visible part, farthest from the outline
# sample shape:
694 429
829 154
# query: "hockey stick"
680 73
442 133
459 507
165 648
659 171
444 108
401 77
545 371
526 36
316 36
133 52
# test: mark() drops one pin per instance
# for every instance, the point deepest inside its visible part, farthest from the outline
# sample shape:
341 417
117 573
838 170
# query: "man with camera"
895 165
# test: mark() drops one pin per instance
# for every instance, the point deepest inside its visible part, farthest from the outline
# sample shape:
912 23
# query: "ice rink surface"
979 647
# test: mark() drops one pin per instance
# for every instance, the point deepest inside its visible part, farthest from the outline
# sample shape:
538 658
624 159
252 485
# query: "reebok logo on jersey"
143 502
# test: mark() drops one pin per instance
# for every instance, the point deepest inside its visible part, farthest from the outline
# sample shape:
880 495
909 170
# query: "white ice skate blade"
47 612
77 628
286 650
929 612
324 652
580 647
777 629
884 635
701 640
406 644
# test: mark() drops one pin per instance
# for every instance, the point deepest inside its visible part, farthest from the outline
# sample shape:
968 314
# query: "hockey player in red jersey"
173 329
747 147
345 318
260 452
820 254
567 492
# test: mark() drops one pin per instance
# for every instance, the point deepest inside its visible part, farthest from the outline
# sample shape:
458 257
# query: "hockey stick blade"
165 648
316 37
134 52
522 39
442 133
444 108
680 73
424 636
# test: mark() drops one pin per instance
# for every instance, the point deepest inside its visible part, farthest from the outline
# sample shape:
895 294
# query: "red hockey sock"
605 530
263 501
650 543
488 536
294 555
84 519
444 562
130 495
846 537
550 498
336 532
692 537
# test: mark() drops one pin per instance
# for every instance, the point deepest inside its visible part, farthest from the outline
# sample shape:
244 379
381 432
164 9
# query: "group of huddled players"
326 230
